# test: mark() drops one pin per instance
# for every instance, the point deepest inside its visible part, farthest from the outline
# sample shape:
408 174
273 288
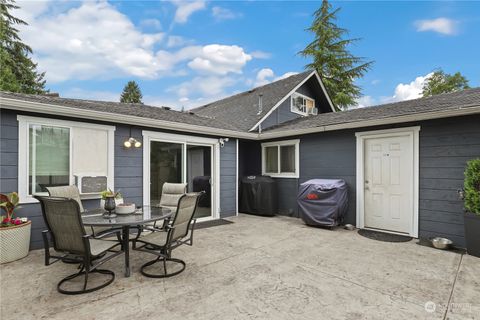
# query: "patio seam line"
243 252
390 295
453 287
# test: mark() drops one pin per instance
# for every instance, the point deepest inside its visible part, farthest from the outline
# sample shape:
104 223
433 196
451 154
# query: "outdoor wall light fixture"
222 141
132 142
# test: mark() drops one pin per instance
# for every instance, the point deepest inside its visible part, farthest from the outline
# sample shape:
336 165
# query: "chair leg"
85 272
164 261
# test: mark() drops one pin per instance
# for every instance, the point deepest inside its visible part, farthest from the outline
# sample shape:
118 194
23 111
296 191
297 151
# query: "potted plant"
14 232
109 193
472 207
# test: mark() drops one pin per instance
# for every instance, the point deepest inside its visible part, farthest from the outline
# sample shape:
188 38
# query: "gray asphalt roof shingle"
131 109
442 102
241 109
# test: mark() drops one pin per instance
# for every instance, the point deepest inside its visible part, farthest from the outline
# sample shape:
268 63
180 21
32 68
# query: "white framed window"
281 159
52 152
302 104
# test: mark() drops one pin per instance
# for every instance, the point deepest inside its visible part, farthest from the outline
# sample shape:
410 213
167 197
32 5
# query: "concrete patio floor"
262 268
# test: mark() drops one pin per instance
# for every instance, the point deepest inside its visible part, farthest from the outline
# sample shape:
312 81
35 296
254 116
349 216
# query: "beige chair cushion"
99 246
171 193
158 238
70 192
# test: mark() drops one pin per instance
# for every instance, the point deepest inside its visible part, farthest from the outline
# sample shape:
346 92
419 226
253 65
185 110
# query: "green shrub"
472 186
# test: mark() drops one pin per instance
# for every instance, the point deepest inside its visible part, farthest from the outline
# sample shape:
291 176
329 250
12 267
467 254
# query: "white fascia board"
28 106
375 122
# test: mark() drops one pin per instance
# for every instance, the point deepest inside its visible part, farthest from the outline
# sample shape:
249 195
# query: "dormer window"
302 104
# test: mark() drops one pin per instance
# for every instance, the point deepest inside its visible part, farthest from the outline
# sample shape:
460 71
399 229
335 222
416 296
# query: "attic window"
302 104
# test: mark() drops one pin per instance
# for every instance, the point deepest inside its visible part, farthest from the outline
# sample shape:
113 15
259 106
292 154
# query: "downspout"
260 110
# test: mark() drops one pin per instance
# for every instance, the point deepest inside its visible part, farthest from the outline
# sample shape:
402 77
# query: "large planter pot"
117 202
14 242
472 233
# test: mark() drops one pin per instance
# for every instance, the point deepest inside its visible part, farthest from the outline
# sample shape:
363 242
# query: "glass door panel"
199 177
166 165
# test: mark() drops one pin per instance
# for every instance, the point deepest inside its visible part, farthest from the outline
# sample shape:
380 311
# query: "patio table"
147 215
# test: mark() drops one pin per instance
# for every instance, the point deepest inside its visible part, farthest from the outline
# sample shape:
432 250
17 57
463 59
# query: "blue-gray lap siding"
128 171
445 147
228 179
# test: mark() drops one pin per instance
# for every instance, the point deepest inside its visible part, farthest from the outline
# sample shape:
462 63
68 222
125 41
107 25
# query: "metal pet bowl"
349 227
441 243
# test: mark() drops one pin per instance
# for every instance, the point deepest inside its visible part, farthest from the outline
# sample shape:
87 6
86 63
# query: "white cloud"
285 75
151 23
441 25
403 91
186 8
90 41
260 54
220 13
177 41
264 76
408 91
95 41
211 86
220 59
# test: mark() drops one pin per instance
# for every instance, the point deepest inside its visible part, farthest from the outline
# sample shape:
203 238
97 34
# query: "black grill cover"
323 202
258 195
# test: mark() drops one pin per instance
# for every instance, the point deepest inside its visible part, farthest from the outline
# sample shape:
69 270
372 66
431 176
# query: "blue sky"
190 53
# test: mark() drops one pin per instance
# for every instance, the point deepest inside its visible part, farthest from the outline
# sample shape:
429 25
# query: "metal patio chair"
176 233
72 192
65 228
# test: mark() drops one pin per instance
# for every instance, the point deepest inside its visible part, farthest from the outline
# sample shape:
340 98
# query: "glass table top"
143 215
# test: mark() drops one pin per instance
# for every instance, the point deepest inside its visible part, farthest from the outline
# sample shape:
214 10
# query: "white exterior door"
389 183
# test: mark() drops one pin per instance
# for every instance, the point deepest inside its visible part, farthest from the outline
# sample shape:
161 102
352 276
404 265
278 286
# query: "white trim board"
275 107
149 136
413 133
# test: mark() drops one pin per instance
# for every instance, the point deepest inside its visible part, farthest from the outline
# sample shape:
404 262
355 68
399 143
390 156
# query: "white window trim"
294 109
24 123
296 143
413 133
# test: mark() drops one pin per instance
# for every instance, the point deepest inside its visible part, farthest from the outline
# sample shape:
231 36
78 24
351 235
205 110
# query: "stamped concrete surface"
262 268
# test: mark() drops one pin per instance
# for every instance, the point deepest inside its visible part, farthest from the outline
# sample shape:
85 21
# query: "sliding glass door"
183 162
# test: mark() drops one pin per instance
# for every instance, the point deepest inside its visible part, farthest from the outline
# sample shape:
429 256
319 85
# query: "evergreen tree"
131 93
18 73
441 82
337 67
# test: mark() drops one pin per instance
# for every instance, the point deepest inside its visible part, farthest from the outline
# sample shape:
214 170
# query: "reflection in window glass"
49 157
271 159
287 159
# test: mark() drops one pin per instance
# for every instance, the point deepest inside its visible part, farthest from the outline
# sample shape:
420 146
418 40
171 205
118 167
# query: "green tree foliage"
18 73
472 186
441 82
337 67
131 93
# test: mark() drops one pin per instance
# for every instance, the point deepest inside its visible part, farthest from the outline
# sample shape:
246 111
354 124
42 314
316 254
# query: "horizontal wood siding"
445 147
129 165
228 179
331 155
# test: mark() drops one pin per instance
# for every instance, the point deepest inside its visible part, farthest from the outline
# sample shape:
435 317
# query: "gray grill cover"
323 202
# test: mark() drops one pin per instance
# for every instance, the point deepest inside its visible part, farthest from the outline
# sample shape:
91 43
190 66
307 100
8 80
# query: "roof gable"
242 109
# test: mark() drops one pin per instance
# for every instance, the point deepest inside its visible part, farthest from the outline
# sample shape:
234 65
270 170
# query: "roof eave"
59 110
374 122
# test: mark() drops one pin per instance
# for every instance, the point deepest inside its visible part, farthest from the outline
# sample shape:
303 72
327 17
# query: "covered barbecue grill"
258 195
323 202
